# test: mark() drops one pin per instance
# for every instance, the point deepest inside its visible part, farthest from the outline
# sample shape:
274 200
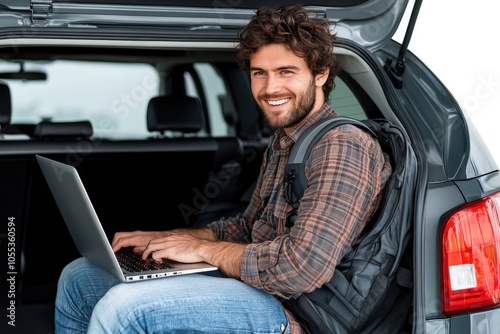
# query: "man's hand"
140 239
184 245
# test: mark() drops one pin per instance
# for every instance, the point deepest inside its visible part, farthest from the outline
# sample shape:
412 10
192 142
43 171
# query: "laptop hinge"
40 11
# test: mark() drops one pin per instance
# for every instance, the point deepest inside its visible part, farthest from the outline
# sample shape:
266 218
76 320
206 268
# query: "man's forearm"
204 233
224 255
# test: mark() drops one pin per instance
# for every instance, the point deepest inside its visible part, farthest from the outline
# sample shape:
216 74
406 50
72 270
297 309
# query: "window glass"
214 88
112 96
345 102
211 86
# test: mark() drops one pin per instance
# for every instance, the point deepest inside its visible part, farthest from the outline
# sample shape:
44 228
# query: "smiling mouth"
278 102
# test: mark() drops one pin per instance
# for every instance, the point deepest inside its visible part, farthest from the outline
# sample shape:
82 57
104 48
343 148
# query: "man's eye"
258 74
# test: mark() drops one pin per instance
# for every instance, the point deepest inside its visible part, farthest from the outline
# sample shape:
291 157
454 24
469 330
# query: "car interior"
131 177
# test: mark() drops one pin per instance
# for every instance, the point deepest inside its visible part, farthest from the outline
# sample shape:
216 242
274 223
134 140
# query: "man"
289 58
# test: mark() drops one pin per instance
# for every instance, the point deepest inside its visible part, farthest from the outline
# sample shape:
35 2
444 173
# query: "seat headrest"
5 104
175 113
63 130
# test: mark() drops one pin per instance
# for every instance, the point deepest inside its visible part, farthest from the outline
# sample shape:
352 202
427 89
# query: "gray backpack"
370 291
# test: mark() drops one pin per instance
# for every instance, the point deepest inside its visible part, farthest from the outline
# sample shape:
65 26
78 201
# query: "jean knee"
70 277
112 310
73 268
114 301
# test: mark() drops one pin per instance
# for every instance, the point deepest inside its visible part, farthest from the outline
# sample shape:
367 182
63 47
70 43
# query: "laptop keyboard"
133 262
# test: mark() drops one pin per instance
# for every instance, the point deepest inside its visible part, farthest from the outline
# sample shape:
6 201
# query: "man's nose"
273 84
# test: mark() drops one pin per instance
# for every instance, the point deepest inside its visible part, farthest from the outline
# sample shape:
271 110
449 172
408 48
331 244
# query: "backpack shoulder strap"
295 178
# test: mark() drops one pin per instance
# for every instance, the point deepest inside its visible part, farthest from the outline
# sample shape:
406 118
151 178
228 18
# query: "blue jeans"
90 299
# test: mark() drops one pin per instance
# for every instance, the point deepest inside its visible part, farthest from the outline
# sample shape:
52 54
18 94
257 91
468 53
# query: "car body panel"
369 23
477 323
427 120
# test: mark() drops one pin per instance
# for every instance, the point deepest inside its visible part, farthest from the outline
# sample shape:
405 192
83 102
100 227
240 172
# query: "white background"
458 40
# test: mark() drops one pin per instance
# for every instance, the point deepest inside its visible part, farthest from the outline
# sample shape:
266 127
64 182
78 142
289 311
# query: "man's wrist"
224 255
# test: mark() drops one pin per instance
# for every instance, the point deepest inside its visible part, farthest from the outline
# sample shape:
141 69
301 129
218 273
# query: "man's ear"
321 77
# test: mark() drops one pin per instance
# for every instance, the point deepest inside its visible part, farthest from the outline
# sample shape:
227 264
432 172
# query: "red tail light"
470 273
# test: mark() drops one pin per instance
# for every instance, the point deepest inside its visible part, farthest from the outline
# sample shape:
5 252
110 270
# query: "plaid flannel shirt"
346 173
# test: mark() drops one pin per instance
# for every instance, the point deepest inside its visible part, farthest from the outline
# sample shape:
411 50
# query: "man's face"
284 87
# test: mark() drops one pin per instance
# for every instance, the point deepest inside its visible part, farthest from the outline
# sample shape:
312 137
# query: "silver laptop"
89 237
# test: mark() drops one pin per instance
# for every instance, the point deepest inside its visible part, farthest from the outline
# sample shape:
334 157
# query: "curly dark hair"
308 37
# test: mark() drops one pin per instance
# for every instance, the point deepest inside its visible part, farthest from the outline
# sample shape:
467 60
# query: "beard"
297 114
